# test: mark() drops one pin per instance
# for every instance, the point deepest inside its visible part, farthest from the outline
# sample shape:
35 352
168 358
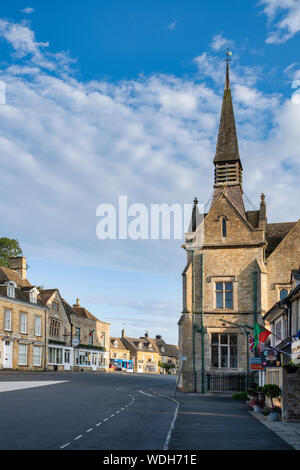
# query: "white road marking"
62 447
98 424
11 386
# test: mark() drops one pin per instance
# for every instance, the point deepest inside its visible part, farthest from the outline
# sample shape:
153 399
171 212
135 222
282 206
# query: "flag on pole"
251 343
260 335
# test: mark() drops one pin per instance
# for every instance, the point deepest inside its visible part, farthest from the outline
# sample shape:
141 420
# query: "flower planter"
273 416
257 409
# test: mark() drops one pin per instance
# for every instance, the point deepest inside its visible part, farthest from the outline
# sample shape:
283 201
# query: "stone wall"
280 263
291 396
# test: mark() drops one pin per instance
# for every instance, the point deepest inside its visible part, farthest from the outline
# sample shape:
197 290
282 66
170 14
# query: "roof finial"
227 82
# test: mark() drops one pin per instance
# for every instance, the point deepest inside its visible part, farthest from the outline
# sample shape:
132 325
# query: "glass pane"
224 339
233 339
228 300
215 356
233 357
224 228
224 356
219 286
228 286
214 339
219 299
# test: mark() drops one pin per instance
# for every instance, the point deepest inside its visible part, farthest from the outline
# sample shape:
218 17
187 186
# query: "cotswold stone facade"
238 272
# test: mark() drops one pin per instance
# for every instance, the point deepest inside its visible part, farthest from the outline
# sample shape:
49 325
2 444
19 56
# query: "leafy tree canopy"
9 248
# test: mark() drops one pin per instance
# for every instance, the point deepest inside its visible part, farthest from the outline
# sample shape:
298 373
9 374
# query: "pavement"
288 431
210 422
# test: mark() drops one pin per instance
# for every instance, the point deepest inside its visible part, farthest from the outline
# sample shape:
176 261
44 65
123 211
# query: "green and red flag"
260 335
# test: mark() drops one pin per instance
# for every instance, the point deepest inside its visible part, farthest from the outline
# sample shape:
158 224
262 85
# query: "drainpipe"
202 328
194 321
254 297
46 343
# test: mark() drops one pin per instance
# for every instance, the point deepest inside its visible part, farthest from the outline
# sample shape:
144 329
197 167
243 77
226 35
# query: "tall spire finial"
227 82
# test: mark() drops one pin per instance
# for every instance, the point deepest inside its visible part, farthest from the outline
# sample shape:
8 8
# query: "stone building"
60 351
168 360
144 355
23 320
119 354
92 352
237 267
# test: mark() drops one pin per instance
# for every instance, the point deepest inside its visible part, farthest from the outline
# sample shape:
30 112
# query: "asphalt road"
121 412
88 412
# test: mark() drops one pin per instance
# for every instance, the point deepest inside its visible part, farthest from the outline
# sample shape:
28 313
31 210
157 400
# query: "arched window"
224 227
11 290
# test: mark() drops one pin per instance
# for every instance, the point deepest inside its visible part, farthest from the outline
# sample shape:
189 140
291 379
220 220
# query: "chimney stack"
18 264
123 333
77 303
146 334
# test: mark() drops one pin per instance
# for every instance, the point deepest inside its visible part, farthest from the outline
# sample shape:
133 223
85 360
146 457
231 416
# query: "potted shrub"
257 404
272 391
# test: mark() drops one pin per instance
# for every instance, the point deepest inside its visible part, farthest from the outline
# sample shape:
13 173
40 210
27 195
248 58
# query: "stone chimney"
158 336
77 303
146 334
18 264
123 333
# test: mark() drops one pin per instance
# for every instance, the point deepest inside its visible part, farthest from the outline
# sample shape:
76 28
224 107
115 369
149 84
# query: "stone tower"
235 275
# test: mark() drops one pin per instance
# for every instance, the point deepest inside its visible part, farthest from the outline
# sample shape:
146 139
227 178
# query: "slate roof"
23 287
133 344
253 218
121 344
275 233
227 145
45 294
7 274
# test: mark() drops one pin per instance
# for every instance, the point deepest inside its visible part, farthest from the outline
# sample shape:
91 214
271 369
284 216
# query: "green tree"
9 248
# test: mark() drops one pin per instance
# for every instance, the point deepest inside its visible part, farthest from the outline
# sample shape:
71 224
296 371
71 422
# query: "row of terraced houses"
40 330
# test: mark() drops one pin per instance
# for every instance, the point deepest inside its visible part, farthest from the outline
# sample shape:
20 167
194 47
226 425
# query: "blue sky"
111 98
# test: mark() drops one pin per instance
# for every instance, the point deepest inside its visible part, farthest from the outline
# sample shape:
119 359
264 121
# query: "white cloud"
27 10
68 146
219 42
284 15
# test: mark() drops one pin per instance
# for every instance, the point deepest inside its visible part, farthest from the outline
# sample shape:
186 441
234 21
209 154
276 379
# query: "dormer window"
33 297
115 344
140 345
11 290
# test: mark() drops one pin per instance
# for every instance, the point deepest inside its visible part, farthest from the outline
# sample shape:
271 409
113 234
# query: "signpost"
256 363
183 359
75 342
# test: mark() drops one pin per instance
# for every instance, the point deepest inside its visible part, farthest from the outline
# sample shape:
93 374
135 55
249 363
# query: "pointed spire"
227 150
227 82
194 215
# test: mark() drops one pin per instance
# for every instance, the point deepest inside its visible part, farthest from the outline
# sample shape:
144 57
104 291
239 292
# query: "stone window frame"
225 278
281 286
220 332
